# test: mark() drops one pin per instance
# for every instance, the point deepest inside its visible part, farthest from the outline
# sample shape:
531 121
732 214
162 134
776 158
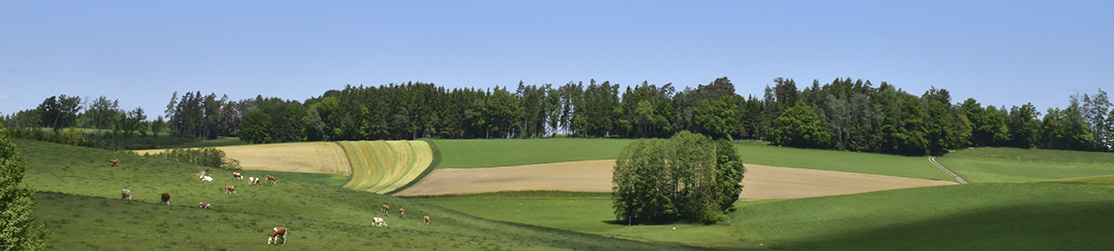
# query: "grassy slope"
584 212
1033 216
79 203
1052 215
1014 165
472 153
855 162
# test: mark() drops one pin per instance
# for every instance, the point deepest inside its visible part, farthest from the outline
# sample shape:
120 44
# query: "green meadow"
80 203
754 152
474 153
1018 165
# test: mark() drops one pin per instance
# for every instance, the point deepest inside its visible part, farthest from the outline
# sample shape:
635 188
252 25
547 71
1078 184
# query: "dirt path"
761 182
945 169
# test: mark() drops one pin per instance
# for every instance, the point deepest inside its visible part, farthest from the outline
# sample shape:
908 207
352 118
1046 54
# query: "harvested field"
761 182
304 157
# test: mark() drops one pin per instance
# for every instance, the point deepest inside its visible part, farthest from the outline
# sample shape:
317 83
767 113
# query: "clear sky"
140 52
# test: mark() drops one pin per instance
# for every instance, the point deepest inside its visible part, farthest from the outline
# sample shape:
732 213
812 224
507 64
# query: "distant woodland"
844 114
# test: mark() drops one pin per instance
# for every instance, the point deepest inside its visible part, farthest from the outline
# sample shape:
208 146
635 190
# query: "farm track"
945 169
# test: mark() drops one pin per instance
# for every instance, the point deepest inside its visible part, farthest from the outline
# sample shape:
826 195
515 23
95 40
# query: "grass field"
79 202
473 153
1051 215
585 212
843 161
1015 165
385 166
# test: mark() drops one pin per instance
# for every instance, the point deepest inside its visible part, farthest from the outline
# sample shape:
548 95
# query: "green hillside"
79 202
990 164
473 153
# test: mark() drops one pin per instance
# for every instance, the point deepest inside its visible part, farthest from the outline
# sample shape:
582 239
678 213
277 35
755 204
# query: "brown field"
304 157
761 182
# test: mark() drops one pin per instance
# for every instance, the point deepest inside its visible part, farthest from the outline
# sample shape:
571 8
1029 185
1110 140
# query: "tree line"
843 114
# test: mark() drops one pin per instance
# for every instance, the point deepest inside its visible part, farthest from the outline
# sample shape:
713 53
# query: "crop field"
385 166
303 157
1017 165
79 202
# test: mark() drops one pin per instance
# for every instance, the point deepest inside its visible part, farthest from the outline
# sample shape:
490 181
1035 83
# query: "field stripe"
386 166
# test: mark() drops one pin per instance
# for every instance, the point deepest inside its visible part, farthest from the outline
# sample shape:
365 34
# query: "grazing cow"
229 189
386 208
207 178
276 233
271 179
206 172
126 194
426 220
112 162
166 198
204 205
378 222
401 212
253 181
237 176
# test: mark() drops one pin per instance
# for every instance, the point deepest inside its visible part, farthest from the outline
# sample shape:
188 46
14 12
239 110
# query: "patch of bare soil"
761 182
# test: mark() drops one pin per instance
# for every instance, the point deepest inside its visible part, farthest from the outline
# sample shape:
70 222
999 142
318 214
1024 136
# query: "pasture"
79 201
475 153
989 164
754 152
1051 215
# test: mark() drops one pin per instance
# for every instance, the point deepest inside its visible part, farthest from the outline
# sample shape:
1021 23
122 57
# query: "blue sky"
999 52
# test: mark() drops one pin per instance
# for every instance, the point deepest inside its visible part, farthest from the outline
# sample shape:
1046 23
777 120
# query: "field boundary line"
945 169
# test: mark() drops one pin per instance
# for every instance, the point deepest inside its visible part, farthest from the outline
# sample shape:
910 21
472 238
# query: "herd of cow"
277 232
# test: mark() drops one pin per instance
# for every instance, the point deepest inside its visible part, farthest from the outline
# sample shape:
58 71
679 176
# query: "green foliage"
207 157
256 127
18 229
683 178
798 126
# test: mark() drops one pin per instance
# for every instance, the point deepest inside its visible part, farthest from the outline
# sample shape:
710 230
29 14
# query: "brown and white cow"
253 181
112 162
126 194
386 208
378 222
271 179
426 220
237 176
166 198
229 189
206 178
276 233
206 172
204 205
401 212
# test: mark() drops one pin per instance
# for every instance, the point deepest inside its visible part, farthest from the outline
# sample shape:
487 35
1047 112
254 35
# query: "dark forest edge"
843 115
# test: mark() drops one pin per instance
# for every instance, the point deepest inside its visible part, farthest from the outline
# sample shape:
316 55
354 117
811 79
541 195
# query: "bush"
207 157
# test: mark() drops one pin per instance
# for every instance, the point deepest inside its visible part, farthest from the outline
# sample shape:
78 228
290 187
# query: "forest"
844 114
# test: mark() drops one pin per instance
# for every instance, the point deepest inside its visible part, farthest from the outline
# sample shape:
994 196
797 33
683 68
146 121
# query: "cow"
166 198
271 179
237 176
229 189
253 181
378 222
276 233
401 212
426 220
206 172
386 208
126 194
112 162
207 178
204 205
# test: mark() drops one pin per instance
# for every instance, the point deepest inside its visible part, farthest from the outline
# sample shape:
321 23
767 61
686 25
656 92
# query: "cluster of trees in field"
688 177
844 114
